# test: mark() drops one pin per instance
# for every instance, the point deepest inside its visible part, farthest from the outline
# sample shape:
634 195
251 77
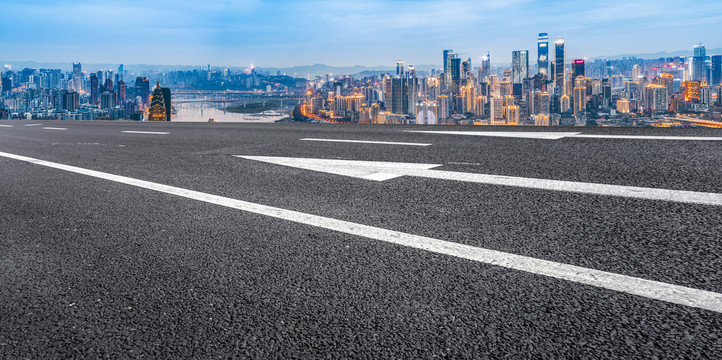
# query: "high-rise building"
691 90
716 71
719 95
559 67
623 106
107 100
543 54
121 92
94 89
636 72
656 100
159 106
699 63
519 66
705 96
485 69
142 88
578 68
120 72
77 77
455 75
448 55
396 98
400 68
496 110
580 100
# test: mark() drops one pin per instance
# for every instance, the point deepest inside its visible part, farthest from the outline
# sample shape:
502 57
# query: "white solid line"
381 171
561 135
145 132
33 124
2 125
627 284
366 142
648 137
54 128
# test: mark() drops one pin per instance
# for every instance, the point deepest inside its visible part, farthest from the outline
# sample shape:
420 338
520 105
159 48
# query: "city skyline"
375 33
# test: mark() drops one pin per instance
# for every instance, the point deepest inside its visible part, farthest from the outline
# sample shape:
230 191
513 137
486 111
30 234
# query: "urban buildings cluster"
554 90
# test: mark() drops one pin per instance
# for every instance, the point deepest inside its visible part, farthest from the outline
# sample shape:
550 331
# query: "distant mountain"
660 54
323 69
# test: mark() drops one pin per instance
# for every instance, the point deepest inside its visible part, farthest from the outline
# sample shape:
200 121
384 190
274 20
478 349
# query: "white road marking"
627 284
3 125
380 171
366 142
33 124
146 132
561 135
54 128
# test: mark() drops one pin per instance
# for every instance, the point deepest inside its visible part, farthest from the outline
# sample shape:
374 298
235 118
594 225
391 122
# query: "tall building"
519 66
699 63
77 77
142 88
94 89
396 98
159 106
580 100
656 100
496 110
121 91
400 68
691 90
716 71
485 69
543 54
107 100
448 55
578 68
559 67
120 72
455 75
636 72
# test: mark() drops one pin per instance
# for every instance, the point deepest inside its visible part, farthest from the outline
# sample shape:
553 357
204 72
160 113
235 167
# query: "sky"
284 33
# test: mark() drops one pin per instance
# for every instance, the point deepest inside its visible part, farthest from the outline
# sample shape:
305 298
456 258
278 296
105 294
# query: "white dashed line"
622 283
33 124
145 132
366 142
54 128
561 135
2 125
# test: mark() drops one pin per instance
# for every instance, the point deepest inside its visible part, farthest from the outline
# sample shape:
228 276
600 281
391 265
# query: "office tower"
77 77
444 106
716 71
142 88
559 67
543 54
691 90
519 66
400 68
719 95
578 68
413 85
448 55
120 72
468 94
94 89
455 75
108 84
496 110
485 69
107 100
121 92
7 84
705 96
396 98
580 100
465 68
71 100
699 64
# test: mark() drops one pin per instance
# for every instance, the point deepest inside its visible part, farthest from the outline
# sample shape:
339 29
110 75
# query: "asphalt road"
92 268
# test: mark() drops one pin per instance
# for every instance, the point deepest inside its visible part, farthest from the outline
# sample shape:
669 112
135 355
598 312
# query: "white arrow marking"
380 171
366 142
561 135
650 289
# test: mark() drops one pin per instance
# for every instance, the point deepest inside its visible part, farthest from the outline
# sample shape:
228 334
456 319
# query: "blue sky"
277 33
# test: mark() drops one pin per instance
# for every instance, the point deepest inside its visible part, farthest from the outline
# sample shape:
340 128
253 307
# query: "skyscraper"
699 63
485 67
400 68
160 105
519 66
543 54
77 76
142 88
448 55
455 75
578 68
716 70
559 67
94 89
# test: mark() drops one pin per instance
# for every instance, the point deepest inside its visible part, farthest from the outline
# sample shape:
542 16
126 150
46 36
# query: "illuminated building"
564 103
519 69
623 106
656 100
636 72
455 75
444 106
559 67
160 106
448 55
427 114
543 54
541 120
578 68
540 102
580 100
691 90
397 95
77 77
469 98
465 68
485 69
512 115
121 91
479 105
496 111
